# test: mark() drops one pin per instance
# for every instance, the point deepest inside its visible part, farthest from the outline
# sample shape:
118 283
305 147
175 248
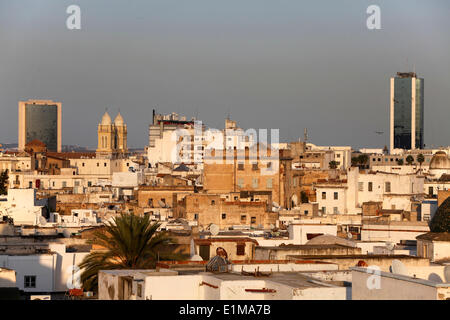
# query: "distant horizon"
285 65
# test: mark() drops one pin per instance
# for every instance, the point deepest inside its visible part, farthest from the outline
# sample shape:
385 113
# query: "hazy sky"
286 64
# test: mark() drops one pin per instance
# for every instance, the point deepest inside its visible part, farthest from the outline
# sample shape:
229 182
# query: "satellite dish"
390 245
214 229
66 233
435 278
161 204
349 235
42 221
399 268
447 274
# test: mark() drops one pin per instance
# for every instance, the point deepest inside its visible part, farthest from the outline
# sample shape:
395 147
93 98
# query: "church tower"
112 137
121 132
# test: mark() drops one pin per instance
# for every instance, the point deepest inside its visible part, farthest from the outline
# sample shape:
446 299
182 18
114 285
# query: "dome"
440 161
118 121
106 119
328 239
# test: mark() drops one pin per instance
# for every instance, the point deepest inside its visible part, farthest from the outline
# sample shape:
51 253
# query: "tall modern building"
41 120
406 119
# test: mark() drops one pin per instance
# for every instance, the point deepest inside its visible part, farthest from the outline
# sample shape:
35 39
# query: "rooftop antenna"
305 135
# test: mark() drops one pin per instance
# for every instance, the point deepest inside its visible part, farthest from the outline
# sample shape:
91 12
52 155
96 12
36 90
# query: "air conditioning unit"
40 297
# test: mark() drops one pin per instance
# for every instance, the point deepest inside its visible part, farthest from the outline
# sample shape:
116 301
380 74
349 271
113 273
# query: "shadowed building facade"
406 112
40 120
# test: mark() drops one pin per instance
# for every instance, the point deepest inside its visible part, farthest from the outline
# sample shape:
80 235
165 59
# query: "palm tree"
400 162
129 242
363 159
332 164
4 182
420 159
409 159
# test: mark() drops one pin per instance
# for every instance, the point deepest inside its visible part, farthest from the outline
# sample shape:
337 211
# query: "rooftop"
435 236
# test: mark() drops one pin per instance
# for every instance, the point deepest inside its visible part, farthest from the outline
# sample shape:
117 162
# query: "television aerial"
399 268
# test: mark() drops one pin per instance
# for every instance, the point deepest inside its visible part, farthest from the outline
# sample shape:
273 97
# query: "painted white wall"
40 265
298 232
391 287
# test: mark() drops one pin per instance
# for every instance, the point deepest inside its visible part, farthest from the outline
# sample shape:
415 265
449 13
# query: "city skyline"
266 66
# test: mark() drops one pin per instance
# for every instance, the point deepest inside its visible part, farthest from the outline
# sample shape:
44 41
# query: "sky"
281 64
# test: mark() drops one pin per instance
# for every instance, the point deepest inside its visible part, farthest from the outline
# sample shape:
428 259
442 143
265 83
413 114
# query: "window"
98 164
224 216
236 198
324 195
89 183
64 184
338 155
213 202
430 191
388 186
82 164
240 182
324 210
254 166
30 281
369 186
30 184
105 164
360 186
195 216
150 202
335 210
139 290
204 252
77 183
255 183
128 164
243 218
336 196
269 165
253 220
240 249
269 183
240 166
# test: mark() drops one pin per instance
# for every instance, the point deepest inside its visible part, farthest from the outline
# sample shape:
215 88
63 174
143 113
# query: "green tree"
332 164
441 219
420 159
4 182
400 162
409 159
363 159
355 161
129 242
